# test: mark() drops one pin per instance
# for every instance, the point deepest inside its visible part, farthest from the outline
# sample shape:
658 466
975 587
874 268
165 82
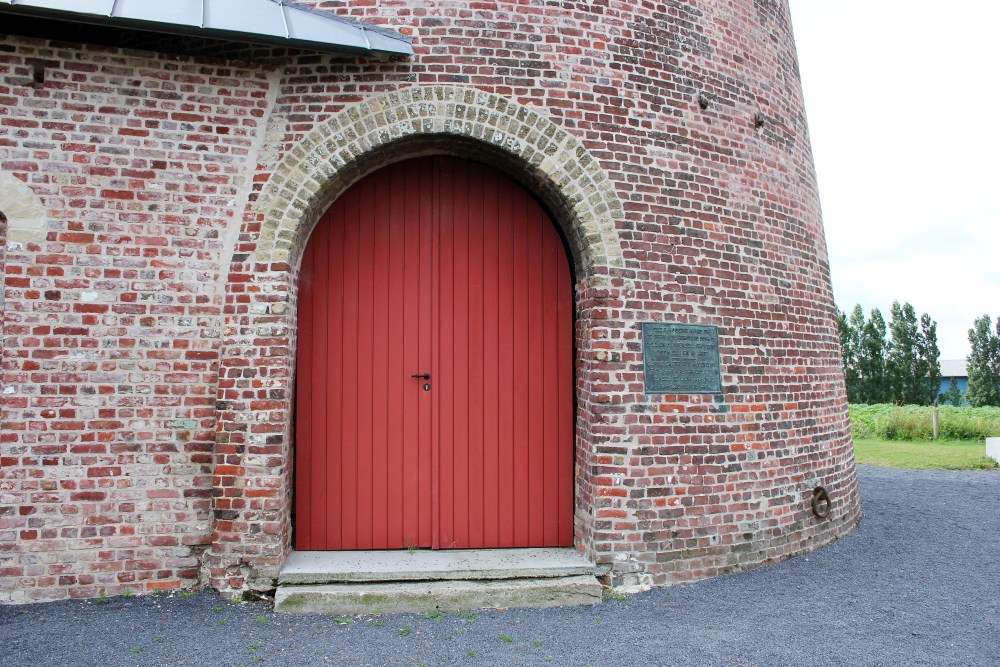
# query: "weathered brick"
149 329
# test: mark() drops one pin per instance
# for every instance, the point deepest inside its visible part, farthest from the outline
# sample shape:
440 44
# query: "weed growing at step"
612 594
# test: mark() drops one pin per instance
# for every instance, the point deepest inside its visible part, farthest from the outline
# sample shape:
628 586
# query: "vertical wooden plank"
505 362
412 465
433 169
474 276
548 291
329 395
444 382
425 324
365 363
536 386
522 399
490 358
461 378
409 510
398 370
380 365
349 379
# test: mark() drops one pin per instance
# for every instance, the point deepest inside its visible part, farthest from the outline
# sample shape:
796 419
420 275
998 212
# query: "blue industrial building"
954 369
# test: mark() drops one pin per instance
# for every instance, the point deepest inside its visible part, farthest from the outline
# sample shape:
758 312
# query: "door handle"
422 376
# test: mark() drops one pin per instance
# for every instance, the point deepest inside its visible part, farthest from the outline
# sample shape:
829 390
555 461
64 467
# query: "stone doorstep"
326 567
367 582
424 596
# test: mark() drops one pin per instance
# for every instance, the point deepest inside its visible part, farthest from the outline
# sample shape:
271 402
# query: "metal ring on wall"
821 503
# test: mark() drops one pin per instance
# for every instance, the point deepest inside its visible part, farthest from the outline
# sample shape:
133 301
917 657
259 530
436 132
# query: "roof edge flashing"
367 27
352 37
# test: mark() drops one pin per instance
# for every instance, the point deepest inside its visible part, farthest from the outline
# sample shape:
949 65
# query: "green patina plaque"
681 358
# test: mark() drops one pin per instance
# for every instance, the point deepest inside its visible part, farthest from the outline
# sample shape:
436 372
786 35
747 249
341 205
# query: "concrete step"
423 596
368 582
327 567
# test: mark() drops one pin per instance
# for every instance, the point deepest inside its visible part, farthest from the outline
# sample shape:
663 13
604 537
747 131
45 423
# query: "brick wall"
3 259
149 337
112 328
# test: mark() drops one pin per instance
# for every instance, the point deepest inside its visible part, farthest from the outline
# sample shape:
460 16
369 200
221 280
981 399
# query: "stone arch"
252 535
23 209
460 121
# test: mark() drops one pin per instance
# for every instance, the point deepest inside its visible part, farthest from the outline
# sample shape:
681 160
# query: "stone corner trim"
25 213
309 177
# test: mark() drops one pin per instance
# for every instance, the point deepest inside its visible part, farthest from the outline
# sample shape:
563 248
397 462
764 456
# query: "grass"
950 455
914 422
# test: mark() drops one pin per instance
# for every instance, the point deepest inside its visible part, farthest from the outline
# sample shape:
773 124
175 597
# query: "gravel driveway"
918 583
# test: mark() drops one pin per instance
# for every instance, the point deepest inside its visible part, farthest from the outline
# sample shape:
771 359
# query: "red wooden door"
438 266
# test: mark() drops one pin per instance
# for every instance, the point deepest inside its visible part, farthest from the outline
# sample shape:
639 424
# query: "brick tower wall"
149 331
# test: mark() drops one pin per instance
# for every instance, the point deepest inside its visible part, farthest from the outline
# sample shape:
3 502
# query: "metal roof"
954 368
270 22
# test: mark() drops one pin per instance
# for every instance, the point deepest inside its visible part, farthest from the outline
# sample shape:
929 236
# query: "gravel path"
918 583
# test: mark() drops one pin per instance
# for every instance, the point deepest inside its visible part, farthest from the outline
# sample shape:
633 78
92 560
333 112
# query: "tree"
984 363
850 341
905 369
954 395
857 323
906 385
871 360
929 361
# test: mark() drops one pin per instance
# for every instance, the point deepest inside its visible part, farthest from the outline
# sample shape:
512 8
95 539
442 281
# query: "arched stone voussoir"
327 160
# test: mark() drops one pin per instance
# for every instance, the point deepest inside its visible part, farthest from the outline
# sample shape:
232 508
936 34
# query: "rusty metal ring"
821 502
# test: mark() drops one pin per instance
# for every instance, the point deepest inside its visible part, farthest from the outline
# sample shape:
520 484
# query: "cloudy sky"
904 112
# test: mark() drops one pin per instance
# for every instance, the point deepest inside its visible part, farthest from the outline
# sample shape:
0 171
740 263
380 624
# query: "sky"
903 105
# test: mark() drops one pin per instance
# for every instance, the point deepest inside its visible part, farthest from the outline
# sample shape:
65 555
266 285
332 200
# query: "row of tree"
895 363
983 363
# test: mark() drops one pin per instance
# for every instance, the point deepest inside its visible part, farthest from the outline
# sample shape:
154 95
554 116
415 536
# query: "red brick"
127 322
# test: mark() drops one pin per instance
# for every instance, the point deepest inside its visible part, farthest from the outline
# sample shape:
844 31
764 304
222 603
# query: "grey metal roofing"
954 368
271 22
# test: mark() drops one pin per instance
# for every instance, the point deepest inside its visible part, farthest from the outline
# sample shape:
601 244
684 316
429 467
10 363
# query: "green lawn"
948 455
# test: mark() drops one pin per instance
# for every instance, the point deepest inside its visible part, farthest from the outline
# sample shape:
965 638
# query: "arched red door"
444 268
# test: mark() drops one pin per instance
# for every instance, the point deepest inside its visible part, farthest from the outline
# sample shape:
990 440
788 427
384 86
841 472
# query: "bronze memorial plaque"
681 358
